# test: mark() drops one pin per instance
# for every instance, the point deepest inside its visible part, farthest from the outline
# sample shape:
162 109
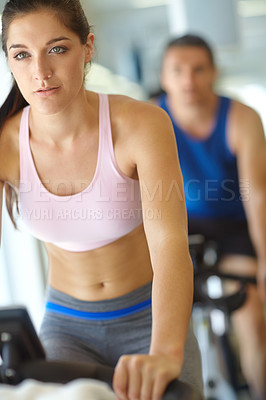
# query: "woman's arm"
165 223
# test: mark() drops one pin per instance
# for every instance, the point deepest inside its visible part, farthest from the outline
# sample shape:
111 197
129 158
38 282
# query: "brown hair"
73 17
193 41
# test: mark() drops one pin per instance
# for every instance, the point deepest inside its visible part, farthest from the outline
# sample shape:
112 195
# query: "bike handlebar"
24 358
205 268
64 372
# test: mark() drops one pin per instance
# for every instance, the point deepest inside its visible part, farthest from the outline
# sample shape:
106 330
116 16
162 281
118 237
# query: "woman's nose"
42 69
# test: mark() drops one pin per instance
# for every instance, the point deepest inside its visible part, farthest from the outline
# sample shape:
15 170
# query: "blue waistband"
107 315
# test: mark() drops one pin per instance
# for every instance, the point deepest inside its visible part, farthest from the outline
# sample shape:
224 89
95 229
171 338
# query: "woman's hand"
144 377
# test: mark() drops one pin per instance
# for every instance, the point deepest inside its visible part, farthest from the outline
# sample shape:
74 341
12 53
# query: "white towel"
80 389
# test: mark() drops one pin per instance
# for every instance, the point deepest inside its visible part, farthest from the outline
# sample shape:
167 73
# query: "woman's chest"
65 172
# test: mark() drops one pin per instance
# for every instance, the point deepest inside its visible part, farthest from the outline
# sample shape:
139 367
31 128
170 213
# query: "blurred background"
130 37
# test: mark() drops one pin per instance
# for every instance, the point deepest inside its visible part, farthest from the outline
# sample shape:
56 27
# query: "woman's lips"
47 91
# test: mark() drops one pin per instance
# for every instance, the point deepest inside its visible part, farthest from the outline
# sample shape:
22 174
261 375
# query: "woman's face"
47 61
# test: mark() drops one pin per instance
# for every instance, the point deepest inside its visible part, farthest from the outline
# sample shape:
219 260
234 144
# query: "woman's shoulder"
135 113
138 126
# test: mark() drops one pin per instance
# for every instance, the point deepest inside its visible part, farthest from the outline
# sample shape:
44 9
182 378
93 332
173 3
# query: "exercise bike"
221 376
23 357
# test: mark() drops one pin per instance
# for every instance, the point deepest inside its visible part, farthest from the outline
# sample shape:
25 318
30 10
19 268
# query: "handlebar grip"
227 303
178 390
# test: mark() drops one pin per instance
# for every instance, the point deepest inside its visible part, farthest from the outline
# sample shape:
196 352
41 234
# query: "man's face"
188 74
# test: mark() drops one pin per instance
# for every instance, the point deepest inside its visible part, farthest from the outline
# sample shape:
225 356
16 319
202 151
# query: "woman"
98 180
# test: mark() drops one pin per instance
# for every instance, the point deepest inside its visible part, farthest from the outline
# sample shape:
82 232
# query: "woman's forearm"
172 298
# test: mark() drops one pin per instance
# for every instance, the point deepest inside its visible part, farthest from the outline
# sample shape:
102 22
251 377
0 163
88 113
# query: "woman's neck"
64 126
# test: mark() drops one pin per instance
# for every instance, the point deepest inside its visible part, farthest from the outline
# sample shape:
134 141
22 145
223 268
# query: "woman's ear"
89 48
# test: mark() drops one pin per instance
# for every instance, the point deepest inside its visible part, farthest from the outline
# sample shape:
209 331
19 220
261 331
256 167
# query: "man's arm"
249 145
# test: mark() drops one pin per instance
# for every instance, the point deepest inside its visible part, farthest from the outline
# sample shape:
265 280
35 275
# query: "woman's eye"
58 50
21 56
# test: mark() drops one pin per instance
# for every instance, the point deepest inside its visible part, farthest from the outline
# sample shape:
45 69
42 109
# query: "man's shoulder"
244 125
242 110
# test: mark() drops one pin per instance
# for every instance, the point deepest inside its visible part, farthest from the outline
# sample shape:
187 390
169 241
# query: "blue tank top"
209 169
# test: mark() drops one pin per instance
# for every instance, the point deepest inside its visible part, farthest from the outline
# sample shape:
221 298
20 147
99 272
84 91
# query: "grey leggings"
101 331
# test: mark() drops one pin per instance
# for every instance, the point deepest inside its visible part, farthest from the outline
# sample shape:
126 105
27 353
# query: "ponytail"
13 104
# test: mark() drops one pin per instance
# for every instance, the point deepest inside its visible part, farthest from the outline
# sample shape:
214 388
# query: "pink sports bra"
106 210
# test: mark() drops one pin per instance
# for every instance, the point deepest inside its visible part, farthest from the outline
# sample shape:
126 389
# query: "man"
222 153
